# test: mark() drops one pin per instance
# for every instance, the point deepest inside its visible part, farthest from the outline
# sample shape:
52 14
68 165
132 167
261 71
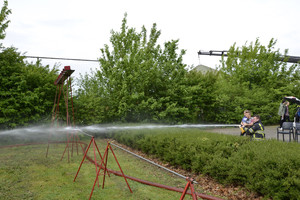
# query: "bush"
270 167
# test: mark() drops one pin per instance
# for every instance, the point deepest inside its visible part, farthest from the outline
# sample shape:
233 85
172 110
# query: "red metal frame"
64 74
63 77
105 156
189 184
72 138
95 157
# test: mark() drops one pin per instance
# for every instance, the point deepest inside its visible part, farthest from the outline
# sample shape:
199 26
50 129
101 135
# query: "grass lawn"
25 173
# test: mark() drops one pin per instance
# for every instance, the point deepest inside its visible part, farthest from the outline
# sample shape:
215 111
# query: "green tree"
27 89
3 20
200 97
90 101
254 77
26 92
138 80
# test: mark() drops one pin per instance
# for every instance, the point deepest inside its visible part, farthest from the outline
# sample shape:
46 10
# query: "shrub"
270 167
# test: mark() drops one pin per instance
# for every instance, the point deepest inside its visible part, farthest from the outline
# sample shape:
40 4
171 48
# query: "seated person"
256 131
246 121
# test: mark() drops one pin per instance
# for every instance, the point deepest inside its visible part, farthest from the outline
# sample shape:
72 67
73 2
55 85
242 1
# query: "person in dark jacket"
256 131
297 115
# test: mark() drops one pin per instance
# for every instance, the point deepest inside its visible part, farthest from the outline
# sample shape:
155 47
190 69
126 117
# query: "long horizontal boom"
290 59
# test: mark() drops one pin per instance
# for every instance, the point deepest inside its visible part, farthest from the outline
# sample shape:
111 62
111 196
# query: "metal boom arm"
290 59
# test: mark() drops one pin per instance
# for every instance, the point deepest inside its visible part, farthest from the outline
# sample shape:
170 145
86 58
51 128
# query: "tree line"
26 89
139 80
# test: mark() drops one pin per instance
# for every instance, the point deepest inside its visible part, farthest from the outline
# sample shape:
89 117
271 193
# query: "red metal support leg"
108 147
102 160
95 158
78 141
54 112
119 166
73 142
189 184
83 158
101 157
185 190
105 168
67 147
193 191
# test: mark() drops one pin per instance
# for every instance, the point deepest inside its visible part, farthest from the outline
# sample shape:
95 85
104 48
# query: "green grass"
25 173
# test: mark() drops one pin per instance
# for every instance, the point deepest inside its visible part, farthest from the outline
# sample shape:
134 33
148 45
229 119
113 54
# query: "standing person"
283 112
256 131
297 115
246 121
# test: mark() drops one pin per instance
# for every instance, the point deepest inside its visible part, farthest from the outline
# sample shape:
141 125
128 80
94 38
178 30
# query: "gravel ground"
270 131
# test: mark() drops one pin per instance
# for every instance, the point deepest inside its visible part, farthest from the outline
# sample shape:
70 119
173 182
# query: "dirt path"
270 131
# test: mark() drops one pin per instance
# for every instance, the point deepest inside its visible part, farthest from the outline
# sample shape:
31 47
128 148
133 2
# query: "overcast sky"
78 29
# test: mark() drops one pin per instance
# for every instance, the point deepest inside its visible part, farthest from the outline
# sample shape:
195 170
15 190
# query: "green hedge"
270 168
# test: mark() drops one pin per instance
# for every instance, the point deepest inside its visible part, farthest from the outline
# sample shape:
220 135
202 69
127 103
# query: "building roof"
203 69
